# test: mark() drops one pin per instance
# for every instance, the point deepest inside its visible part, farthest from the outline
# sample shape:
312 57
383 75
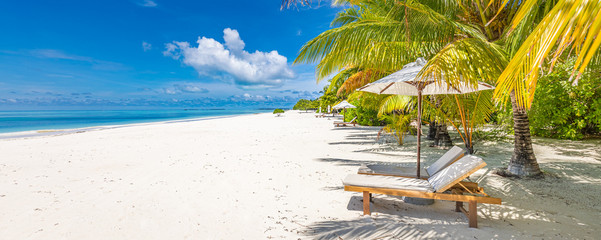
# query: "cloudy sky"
155 53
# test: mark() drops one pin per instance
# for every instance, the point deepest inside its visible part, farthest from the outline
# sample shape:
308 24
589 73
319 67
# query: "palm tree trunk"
432 131
441 135
442 138
523 162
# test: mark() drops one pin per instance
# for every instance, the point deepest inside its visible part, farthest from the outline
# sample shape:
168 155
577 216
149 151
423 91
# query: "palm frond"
295 3
368 40
467 60
346 16
337 81
358 80
396 103
573 25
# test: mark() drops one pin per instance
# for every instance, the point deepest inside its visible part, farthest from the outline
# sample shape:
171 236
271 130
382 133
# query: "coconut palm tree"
385 16
385 35
531 32
508 40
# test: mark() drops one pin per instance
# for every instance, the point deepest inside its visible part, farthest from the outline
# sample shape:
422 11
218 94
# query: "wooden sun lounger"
324 115
338 124
454 154
445 185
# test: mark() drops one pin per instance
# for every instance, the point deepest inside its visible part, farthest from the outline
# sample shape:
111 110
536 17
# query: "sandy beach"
260 176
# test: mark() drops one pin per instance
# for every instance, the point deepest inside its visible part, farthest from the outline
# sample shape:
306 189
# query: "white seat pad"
459 170
446 160
375 181
393 170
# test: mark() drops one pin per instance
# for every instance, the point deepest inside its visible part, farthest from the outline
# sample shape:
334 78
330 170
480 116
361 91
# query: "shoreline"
65 131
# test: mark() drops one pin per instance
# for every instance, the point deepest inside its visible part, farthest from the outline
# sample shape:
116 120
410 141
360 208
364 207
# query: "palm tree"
570 25
385 35
508 40
384 15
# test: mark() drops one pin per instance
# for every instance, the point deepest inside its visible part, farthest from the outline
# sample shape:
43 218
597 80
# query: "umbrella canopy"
404 82
344 104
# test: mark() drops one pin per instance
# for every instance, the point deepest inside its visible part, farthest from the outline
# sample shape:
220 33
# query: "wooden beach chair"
444 185
454 154
338 124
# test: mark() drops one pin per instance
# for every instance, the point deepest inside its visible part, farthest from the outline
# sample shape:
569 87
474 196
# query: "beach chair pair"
324 115
338 124
444 182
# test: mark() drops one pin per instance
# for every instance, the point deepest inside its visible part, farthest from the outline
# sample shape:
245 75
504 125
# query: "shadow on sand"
539 208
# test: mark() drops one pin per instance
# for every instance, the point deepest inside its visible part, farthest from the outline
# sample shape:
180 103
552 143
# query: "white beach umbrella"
343 104
404 82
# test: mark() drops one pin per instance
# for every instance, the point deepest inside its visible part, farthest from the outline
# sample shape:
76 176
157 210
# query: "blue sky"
156 53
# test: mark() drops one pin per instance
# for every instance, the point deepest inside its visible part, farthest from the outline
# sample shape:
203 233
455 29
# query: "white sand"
261 176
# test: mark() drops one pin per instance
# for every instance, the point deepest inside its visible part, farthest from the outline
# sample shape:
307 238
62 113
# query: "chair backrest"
355 118
455 172
449 157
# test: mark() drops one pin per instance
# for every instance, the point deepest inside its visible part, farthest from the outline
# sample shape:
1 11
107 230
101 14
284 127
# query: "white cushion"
376 181
411 171
446 160
393 170
441 181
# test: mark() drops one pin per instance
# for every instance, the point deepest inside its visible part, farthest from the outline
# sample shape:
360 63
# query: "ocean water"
18 121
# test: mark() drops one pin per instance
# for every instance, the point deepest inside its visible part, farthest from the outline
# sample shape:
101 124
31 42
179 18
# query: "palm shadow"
572 185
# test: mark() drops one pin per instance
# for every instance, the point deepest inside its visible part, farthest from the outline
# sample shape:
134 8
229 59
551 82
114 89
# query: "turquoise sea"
17 121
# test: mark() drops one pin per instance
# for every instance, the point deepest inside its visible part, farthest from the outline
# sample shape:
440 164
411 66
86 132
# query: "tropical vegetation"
518 45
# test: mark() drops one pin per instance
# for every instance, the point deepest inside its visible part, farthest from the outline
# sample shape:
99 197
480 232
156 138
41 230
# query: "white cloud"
146 46
233 41
190 88
180 88
148 3
170 91
246 97
229 61
57 54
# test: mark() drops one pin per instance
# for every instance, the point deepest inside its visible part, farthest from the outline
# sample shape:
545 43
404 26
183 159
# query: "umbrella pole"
419 129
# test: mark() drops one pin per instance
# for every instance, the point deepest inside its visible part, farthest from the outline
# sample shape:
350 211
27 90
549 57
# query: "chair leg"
458 206
366 199
473 214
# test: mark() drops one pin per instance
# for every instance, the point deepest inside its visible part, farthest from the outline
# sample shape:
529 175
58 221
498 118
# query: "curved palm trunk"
523 162
432 130
441 134
442 138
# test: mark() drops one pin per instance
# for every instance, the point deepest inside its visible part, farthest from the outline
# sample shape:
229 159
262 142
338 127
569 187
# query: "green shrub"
303 104
350 114
398 126
368 117
328 99
563 110
277 110
367 109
